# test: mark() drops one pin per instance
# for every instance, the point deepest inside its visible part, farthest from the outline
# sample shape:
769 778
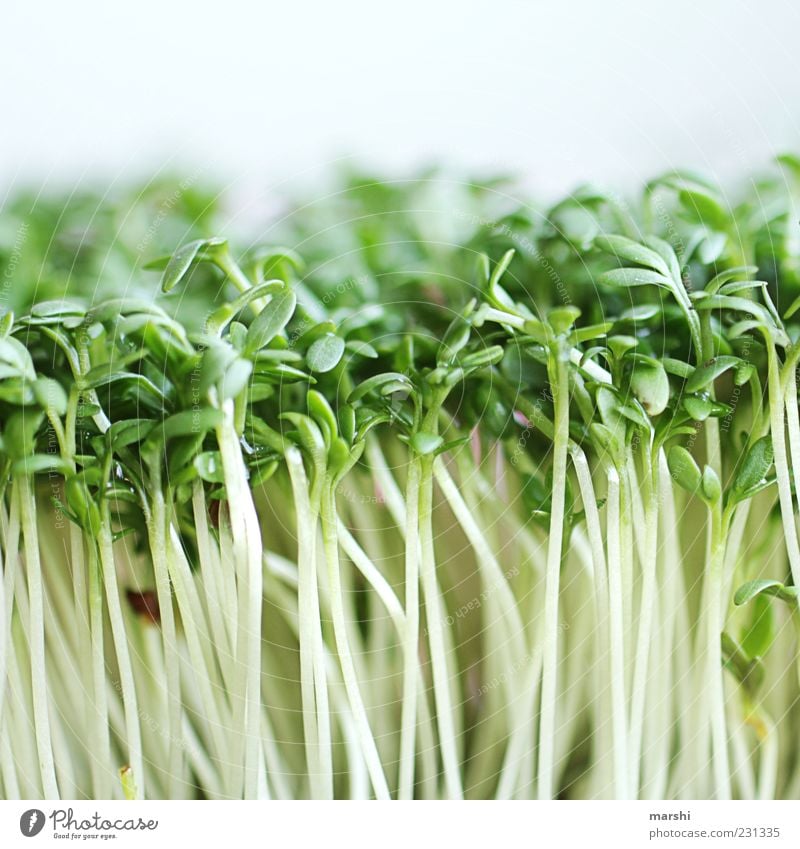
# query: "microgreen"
375 513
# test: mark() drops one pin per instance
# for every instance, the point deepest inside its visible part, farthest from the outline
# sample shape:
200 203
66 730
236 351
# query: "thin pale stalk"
33 567
434 611
363 730
320 776
127 685
546 779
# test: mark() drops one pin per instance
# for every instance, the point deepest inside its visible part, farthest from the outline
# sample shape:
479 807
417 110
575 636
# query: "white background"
265 92
398 825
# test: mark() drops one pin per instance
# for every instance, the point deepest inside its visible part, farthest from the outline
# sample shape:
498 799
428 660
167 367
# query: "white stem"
317 761
547 724
645 634
11 531
373 577
41 718
101 759
202 665
495 582
776 411
408 721
617 636
127 685
248 550
363 730
392 495
714 672
603 659
210 569
434 611
157 531
769 758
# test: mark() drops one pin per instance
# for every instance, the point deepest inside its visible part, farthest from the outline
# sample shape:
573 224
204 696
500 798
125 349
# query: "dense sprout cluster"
444 496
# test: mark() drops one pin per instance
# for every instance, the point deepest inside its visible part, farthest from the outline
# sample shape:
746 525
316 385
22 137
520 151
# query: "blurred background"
266 96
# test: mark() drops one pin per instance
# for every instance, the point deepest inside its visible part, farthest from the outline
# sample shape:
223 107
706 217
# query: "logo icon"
31 822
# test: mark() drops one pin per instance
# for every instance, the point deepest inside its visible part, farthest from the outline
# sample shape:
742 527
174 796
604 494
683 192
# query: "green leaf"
483 358
590 332
316 331
561 319
633 412
683 468
667 253
748 672
650 384
340 456
102 376
15 354
496 295
347 423
235 379
729 274
712 247
706 374
183 259
755 466
36 463
699 407
216 359
189 423
703 208
310 438
606 438
627 249
751 589
620 345
323 415
271 320
426 443
677 367
362 349
262 472
760 632
640 312
58 309
129 432
377 382
627 278
220 318
50 395
209 467
82 504
283 373
279 262
711 487
19 433
324 355
455 338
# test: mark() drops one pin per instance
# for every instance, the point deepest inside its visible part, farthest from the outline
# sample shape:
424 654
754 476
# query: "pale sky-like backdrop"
268 93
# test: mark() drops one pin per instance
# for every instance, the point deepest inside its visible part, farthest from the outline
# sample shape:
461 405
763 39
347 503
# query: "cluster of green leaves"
426 311
397 302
